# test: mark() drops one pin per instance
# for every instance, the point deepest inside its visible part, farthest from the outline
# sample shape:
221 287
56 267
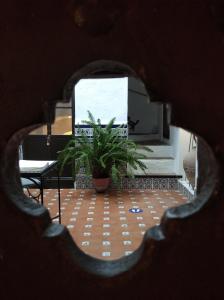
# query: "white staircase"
159 162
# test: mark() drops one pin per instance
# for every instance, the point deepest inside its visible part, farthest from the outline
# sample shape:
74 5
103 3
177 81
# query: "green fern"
106 154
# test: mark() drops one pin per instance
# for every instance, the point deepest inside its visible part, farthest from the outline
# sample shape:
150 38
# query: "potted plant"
104 156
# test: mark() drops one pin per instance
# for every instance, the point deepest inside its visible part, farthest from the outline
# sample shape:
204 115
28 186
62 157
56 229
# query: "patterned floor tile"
103 226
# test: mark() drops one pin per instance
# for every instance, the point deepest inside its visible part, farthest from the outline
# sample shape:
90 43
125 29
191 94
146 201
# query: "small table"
39 169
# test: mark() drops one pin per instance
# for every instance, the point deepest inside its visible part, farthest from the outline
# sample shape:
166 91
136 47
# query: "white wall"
184 140
174 142
180 139
140 108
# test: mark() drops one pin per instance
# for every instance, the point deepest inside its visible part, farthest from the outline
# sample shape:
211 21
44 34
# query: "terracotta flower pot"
101 184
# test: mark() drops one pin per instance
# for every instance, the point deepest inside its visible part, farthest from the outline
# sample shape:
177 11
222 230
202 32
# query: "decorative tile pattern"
102 225
123 132
105 253
85 243
85 182
106 243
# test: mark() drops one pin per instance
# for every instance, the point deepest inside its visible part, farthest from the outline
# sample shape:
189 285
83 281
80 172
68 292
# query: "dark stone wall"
176 47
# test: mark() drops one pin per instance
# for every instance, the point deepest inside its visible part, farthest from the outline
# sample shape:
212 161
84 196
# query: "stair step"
161 175
158 151
156 166
150 142
154 158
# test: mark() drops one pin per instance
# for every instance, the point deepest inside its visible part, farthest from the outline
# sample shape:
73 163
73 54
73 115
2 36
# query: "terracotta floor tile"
102 225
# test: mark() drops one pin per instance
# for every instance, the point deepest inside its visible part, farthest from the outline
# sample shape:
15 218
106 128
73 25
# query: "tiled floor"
103 226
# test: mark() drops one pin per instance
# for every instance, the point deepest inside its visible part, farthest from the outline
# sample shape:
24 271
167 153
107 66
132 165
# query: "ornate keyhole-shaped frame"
38 216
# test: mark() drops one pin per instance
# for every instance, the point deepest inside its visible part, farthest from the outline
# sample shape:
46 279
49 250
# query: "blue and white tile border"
160 183
123 131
